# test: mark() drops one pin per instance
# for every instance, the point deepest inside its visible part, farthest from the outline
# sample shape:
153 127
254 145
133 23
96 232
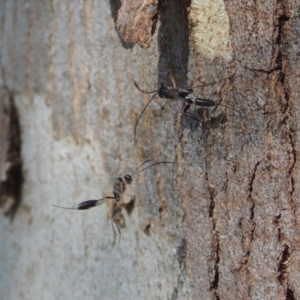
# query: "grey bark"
224 223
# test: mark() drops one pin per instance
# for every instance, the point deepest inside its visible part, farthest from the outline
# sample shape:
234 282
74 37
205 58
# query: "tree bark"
223 223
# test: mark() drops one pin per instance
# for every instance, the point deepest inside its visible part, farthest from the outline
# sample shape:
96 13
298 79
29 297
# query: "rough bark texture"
225 224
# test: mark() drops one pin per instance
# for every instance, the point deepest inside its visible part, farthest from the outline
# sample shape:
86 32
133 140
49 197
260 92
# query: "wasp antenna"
144 162
73 208
229 107
141 90
204 84
157 163
137 121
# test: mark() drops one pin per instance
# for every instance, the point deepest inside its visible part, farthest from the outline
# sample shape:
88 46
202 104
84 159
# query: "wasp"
175 94
123 195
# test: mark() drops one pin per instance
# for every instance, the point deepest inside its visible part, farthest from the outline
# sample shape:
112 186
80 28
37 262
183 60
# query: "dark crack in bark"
215 282
282 268
11 174
290 294
215 248
282 18
250 236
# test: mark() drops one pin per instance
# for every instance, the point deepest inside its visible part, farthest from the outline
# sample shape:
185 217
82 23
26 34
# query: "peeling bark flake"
137 20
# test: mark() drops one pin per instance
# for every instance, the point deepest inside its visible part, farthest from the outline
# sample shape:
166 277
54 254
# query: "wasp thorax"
163 91
128 178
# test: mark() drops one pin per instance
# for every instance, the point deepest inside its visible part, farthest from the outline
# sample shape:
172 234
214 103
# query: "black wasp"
123 196
173 93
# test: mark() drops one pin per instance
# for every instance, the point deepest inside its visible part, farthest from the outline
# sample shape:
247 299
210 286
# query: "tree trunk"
221 224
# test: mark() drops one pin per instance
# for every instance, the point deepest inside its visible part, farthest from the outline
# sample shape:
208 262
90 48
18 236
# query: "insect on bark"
123 196
175 94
